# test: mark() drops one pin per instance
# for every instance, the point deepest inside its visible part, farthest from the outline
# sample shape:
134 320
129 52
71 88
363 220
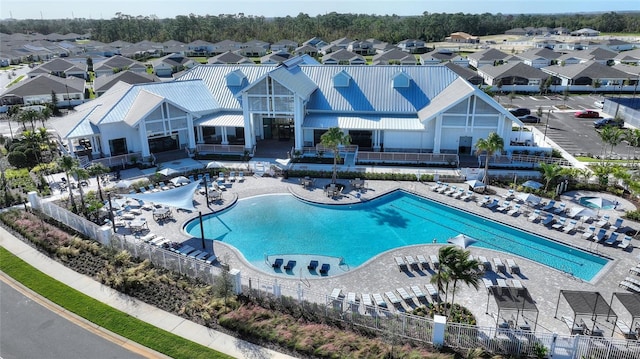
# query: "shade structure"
599 202
214 164
123 184
167 171
529 198
180 180
461 240
578 211
283 162
475 184
179 197
532 184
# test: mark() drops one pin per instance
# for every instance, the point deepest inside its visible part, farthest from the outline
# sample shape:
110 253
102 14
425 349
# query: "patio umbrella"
578 211
529 198
214 164
180 180
532 184
123 184
284 162
461 240
167 171
599 202
475 184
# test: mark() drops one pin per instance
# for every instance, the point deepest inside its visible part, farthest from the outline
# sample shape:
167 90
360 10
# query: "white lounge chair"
505 206
411 263
403 294
423 261
603 222
240 176
431 289
450 191
559 224
589 232
534 216
570 227
513 267
377 298
515 210
509 194
561 209
435 261
351 298
366 300
401 264
336 293
626 242
516 283
485 263
417 291
436 186
498 265
467 196
392 298
488 283
232 176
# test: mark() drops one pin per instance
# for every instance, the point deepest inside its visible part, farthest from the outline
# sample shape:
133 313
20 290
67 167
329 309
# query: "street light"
546 126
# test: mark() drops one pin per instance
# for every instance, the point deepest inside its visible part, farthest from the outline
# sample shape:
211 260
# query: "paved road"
30 330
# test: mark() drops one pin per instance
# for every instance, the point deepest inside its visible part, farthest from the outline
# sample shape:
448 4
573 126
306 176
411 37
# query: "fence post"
104 235
34 200
552 347
236 279
439 325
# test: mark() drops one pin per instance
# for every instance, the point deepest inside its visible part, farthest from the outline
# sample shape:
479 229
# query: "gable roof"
103 83
591 69
44 84
544 53
488 55
515 69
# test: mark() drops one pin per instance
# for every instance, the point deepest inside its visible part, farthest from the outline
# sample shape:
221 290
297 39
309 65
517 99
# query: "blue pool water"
282 224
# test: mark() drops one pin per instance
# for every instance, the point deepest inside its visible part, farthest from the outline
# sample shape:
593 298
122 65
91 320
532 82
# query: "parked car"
529 119
599 104
603 122
587 114
519 112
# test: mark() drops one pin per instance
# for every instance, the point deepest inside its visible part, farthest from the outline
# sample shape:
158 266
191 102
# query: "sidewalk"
172 323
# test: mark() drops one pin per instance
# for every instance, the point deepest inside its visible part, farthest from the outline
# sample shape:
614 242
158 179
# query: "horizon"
164 9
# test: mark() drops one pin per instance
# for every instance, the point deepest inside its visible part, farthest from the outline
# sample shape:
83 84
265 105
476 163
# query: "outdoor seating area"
306 182
357 184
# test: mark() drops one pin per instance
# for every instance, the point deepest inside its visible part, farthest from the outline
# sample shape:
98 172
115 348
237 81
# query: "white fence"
494 340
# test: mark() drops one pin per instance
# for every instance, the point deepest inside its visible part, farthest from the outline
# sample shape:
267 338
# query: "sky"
101 9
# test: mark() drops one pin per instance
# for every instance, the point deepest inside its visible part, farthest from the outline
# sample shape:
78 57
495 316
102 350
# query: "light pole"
546 126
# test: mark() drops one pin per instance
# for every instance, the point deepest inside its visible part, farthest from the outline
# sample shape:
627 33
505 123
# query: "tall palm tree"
464 270
550 172
490 145
442 278
611 136
81 174
97 169
633 139
69 164
333 139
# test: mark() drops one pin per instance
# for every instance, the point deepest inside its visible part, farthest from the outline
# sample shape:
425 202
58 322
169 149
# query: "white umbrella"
461 240
214 164
475 184
283 162
167 171
532 184
180 180
529 198
123 184
599 202
578 212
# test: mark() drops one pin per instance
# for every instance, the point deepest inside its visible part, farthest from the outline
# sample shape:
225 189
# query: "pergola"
630 302
511 299
585 304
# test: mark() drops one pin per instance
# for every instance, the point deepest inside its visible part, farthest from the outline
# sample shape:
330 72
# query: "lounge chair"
516 283
603 222
616 225
509 194
458 193
324 269
148 237
156 240
290 264
498 265
443 187
417 291
380 302
570 227
559 224
435 261
352 298
548 220
436 186
589 232
211 259
404 294
625 330
433 292
240 176
186 250
392 298
467 196
450 191
561 209
484 201
493 204
574 327
312 265
488 283
613 239
336 293
626 242
194 254
601 234
366 300
549 205
635 270
220 177
423 261
402 266
505 206
513 267
202 256
534 216
486 265
502 283
515 210
277 263
232 176
411 263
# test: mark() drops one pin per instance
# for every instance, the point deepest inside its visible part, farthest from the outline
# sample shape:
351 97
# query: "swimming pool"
282 224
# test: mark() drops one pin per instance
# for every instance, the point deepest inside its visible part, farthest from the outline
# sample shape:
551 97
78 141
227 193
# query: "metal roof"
452 95
587 303
363 122
222 119
295 80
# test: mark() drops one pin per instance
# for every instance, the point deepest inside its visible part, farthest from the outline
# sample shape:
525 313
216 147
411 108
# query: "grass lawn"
16 81
102 314
598 160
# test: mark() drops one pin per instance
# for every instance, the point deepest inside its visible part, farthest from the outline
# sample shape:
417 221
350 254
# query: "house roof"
365 122
103 83
512 69
488 55
629 55
589 69
534 54
342 55
394 54
117 62
229 58
44 84
222 119
59 65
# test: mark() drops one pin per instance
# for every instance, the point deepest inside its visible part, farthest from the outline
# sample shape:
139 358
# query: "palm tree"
610 136
633 139
465 270
442 278
81 174
97 169
333 139
492 144
550 172
69 164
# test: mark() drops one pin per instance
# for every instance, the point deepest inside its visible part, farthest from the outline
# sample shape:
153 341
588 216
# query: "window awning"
224 119
408 123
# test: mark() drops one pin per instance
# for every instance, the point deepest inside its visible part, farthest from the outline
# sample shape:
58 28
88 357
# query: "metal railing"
222 149
120 160
409 157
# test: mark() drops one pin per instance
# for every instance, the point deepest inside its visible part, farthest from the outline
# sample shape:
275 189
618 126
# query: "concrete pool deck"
381 274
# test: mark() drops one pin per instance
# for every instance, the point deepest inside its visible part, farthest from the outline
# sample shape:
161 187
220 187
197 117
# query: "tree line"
429 27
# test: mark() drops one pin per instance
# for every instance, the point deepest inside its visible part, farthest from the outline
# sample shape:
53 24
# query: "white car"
599 104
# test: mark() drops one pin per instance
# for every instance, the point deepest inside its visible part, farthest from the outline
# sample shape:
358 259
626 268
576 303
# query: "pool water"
283 224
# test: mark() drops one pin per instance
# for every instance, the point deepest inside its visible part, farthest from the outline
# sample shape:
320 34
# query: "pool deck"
381 274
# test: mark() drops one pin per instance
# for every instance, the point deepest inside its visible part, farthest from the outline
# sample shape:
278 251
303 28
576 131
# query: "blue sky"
64 9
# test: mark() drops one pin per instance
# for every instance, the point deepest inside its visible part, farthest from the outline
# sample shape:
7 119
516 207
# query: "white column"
298 119
376 140
437 133
249 132
144 141
95 145
72 150
225 138
200 134
192 140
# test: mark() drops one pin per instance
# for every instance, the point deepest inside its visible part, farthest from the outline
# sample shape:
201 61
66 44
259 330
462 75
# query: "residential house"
105 82
200 48
462 37
438 56
175 47
631 57
409 109
489 57
539 58
38 90
394 56
413 46
284 45
61 68
275 58
363 48
343 57
254 51
596 54
170 64
516 75
585 32
329 48
306 50
465 73
617 45
256 43
518 31
315 42
117 63
229 58
587 76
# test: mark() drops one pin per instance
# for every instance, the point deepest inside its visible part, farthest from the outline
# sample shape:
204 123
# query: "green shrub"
18 159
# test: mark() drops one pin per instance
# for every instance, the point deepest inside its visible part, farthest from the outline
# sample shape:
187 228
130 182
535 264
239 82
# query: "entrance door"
266 124
278 129
162 144
464 145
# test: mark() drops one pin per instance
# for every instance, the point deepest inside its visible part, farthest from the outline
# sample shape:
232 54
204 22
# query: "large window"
118 146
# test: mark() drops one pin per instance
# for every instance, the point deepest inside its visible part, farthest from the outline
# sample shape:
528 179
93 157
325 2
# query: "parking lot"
576 135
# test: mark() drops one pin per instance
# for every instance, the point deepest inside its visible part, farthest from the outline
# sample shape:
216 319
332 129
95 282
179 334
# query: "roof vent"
401 80
341 79
235 78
